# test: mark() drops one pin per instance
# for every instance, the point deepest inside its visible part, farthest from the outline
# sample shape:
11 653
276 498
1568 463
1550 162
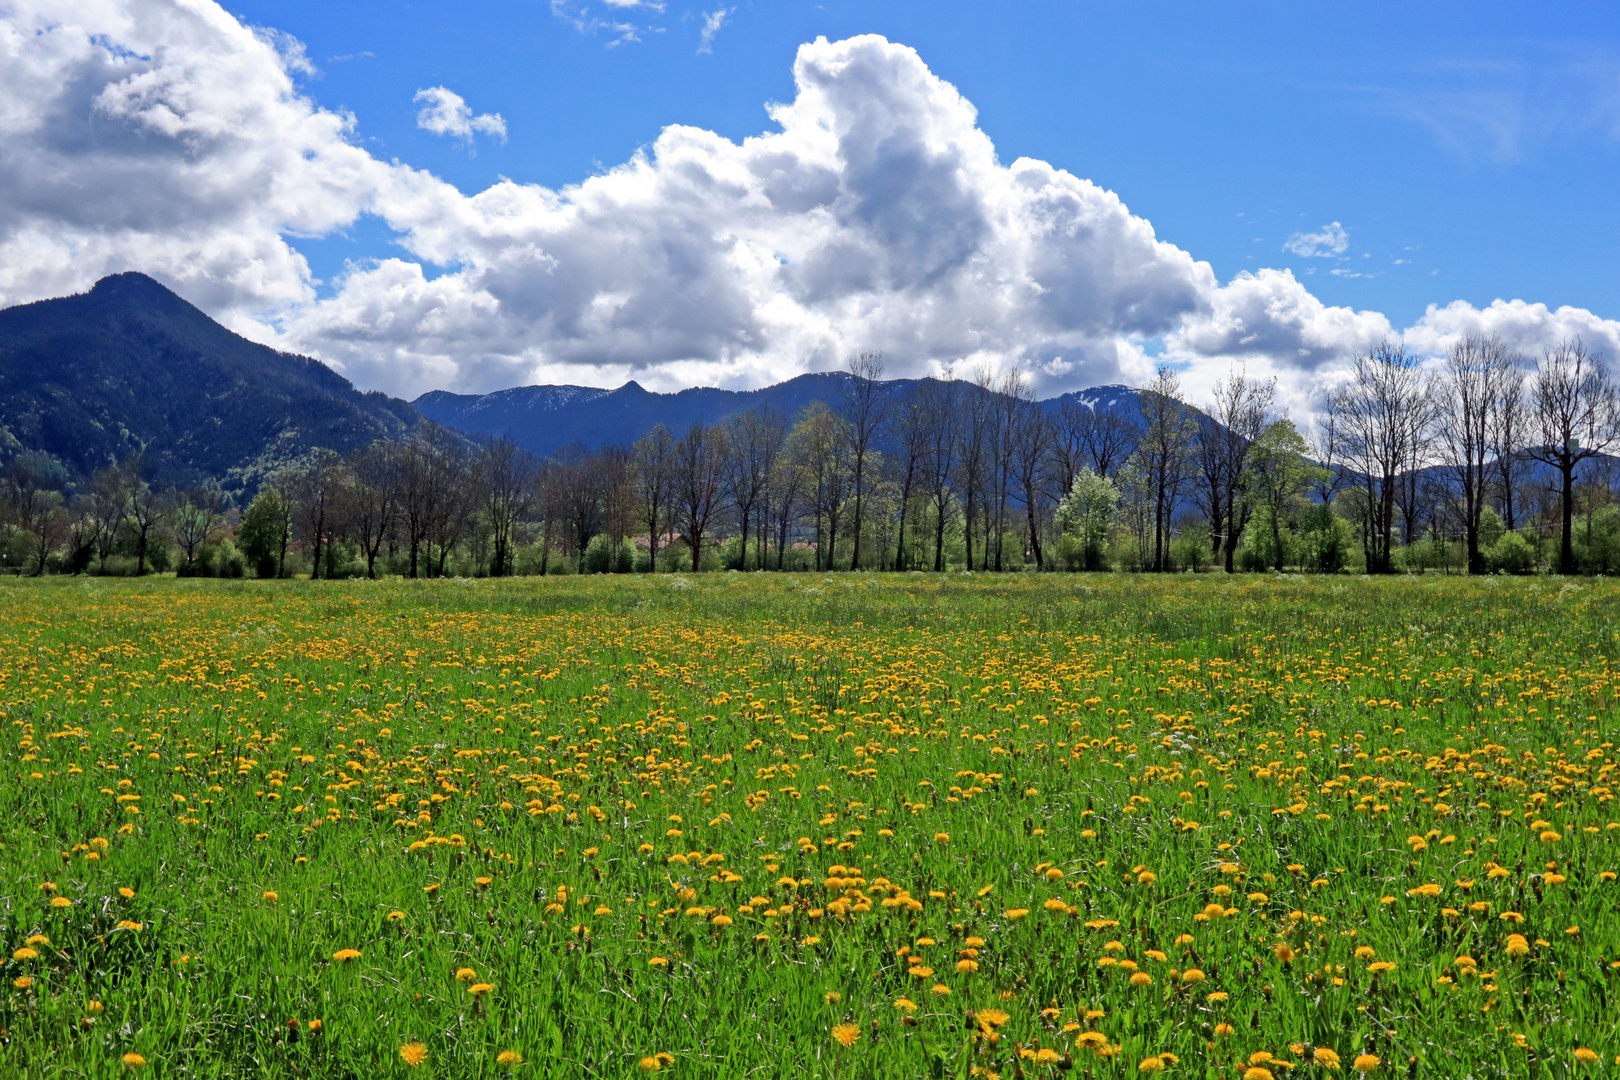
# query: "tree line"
1485 462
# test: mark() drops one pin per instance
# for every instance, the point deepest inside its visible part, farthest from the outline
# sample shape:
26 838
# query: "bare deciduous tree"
865 410
1384 412
1032 438
1510 424
505 473
1009 395
821 449
1576 417
1098 437
313 490
1239 412
699 459
974 431
148 510
1164 451
913 430
373 497
1477 368
747 469
655 465
201 510
1328 447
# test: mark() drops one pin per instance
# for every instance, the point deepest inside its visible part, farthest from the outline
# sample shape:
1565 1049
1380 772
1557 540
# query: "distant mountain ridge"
544 419
131 366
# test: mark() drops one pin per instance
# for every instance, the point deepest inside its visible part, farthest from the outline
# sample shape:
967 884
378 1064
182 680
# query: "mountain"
130 365
545 419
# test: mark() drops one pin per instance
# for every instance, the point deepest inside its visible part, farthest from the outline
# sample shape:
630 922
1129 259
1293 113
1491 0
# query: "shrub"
1511 554
603 556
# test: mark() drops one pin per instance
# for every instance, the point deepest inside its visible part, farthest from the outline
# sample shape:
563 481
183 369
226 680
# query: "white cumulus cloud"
1531 329
445 112
164 136
1331 239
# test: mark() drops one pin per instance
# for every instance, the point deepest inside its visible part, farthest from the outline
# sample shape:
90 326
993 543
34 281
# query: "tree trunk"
315 564
1230 542
1034 533
967 528
855 558
1566 547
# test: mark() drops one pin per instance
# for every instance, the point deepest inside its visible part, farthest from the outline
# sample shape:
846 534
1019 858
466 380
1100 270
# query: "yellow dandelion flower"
1151 1064
413 1053
466 975
480 989
1365 1063
1323 1056
846 1034
1141 979
905 1005
23 982
1192 976
1586 1056
132 1060
25 953
508 1058
1016 913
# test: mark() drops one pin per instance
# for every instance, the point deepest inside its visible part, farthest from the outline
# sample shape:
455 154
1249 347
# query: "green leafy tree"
1085 516
1281 473
266 528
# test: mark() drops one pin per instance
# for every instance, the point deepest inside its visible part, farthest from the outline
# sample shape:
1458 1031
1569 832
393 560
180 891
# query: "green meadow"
846 825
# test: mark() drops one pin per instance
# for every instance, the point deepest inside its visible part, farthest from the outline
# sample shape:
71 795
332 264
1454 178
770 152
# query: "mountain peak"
131 365
133 288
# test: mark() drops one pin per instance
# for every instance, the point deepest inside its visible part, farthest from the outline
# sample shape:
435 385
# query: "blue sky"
1470 151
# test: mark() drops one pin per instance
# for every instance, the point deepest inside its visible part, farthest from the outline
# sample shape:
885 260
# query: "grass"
862 826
